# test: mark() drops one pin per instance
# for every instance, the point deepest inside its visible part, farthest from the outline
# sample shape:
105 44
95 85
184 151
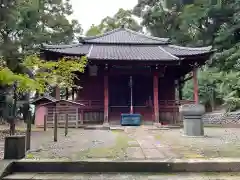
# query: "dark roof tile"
63 100
186 51
125 44
125 36
45 97
74 49
129 52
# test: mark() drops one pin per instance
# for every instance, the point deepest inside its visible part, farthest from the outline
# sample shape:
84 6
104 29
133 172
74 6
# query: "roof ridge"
60 46
207 48
90 50
147 36
101 35
164 50
163 40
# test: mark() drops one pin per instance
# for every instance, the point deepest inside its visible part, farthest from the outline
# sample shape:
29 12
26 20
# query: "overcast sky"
89 12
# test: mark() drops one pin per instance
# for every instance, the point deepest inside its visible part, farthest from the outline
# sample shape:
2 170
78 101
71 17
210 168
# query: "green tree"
24 25
122 17
55 73
46 73
202 23
93 31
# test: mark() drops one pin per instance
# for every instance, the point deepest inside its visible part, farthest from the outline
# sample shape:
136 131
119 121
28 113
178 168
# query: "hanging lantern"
93 70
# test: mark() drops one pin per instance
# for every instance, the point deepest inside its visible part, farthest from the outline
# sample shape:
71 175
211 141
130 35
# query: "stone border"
106 166
5 168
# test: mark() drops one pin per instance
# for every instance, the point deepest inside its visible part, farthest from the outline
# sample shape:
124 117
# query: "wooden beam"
28 131
66 125
81 117
55 133
155 97
106 99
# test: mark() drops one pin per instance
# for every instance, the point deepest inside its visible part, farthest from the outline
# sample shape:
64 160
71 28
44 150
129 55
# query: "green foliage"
202 23
23 81
93 31
55 73
24 25
208 82
122 17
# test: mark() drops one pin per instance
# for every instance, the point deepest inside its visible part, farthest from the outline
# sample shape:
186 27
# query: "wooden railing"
91 103
162 103
174 103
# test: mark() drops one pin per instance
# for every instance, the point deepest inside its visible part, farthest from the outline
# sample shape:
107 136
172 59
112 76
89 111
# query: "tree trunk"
12 128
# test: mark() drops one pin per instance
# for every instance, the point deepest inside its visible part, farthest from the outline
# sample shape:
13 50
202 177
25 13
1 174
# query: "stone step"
163 166
123 176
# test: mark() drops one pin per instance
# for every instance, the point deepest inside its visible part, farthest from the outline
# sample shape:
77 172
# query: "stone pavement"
217 143
146 146
168 144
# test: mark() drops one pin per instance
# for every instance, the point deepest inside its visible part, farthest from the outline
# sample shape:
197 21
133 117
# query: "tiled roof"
125 44
74 49
129 52
47 97
186 51
124 36
63 100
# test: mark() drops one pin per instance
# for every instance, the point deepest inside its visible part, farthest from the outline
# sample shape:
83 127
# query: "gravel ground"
144 143
218 143
70 147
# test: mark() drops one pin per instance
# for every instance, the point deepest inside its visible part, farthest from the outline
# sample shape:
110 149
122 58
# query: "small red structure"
40 110
61 108
129 72
48 106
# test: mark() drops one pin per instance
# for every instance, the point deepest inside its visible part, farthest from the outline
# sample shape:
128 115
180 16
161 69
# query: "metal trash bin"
130 119
192 119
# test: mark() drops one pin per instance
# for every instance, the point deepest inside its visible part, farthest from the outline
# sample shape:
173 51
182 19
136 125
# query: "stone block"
14 147
192 119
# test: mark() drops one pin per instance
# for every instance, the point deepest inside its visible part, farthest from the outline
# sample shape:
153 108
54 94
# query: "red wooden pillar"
106 98
57 93
195 84
155 98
